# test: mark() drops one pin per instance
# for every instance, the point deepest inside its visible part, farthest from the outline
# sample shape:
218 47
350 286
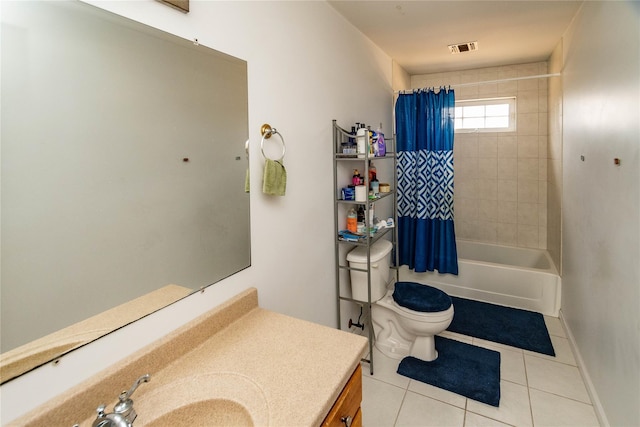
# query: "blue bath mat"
465 369
505 325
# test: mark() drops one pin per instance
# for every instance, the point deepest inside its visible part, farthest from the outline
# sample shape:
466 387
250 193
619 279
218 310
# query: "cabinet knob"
346 421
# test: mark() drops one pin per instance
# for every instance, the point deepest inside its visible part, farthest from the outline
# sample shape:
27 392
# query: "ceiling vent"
463 47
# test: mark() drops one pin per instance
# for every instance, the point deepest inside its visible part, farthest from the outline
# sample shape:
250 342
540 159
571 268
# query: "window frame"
510 100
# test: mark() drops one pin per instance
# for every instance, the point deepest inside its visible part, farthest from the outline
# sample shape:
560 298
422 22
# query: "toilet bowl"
406 315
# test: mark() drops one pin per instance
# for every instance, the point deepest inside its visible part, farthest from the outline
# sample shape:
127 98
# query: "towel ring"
267 132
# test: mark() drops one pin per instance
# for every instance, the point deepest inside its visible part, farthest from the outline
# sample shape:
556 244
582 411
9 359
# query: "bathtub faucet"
123 413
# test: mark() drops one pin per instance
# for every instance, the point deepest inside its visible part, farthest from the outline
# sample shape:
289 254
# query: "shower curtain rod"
539 76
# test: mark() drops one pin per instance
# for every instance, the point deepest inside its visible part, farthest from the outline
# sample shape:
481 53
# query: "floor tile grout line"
395 421
573 399
498 348
526 377
491 418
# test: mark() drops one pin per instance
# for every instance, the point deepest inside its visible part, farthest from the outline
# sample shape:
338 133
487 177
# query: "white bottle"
362 139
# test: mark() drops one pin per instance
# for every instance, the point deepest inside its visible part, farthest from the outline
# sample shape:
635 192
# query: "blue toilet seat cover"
424 298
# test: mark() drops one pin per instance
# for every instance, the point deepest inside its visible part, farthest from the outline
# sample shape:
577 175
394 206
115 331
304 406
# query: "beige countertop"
298 367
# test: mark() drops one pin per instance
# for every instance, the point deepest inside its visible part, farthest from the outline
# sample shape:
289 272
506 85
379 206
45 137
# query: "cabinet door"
347 406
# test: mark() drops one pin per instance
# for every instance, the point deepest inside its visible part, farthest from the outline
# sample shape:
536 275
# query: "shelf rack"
340 161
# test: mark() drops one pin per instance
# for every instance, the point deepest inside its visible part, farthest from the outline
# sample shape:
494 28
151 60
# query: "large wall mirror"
123 173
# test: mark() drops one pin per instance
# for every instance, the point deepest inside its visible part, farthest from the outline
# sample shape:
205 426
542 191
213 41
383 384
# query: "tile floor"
536 390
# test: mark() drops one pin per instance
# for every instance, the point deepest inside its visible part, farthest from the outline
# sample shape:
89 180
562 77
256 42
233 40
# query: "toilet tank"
357 258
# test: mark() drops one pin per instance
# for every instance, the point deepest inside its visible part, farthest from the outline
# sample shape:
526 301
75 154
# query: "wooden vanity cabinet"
346 411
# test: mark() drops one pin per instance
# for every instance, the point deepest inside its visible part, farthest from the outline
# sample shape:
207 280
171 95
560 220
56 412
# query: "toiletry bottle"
382 147
372 172
356 178
361 140
371 215
375 144
352 220
375 186
360 218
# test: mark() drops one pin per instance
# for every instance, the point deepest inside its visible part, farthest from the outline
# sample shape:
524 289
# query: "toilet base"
393 349
424 348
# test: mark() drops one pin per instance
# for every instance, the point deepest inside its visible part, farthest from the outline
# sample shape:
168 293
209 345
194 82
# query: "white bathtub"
505 275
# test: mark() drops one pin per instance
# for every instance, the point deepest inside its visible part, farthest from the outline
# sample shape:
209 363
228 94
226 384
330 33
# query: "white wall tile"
528 168
465 188
527 124
528 236
508 190
508 234
507 147
488 168
488 210
507 169
528 214
488 145
501 178
507 212
487 231
528 146
527 101
528 190
487 189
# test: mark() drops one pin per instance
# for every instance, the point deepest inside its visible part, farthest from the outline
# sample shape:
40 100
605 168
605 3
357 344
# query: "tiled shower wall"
500 179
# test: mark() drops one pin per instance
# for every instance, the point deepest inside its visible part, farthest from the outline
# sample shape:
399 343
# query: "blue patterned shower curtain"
424 127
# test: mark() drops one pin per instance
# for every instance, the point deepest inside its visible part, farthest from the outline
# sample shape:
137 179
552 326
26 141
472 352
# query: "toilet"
406 315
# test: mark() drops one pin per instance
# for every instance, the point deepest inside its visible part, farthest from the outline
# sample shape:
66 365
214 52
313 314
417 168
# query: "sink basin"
213 399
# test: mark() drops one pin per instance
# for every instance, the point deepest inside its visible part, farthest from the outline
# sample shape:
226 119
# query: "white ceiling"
416 33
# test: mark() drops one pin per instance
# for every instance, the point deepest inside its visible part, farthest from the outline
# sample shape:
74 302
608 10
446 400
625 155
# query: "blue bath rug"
465 369
505 325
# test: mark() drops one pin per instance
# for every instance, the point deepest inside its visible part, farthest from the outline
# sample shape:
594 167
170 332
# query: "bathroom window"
486 115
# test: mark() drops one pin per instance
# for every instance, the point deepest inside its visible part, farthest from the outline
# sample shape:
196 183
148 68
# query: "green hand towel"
274 181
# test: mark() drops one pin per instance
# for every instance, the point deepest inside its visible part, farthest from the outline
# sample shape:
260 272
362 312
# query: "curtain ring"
268 132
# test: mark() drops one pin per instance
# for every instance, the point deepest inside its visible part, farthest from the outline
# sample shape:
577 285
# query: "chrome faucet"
123 413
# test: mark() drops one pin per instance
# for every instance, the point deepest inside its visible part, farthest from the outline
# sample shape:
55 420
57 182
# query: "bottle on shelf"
352 220
381 145
372 172
360 218
371 215
375 186
356 178
362 139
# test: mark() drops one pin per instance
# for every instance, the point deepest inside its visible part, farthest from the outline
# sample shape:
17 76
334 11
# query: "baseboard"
595 400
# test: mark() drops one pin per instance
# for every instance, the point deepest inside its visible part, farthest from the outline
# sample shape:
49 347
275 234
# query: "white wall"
306 66
601 201
554 160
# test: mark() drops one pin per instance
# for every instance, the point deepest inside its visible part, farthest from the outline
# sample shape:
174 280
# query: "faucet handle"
127 394
101 418
100 410
125 406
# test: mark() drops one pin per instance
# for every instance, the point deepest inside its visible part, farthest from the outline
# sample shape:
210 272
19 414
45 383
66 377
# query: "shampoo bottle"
382 148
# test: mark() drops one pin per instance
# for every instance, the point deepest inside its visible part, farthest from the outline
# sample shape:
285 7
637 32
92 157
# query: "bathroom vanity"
238 364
